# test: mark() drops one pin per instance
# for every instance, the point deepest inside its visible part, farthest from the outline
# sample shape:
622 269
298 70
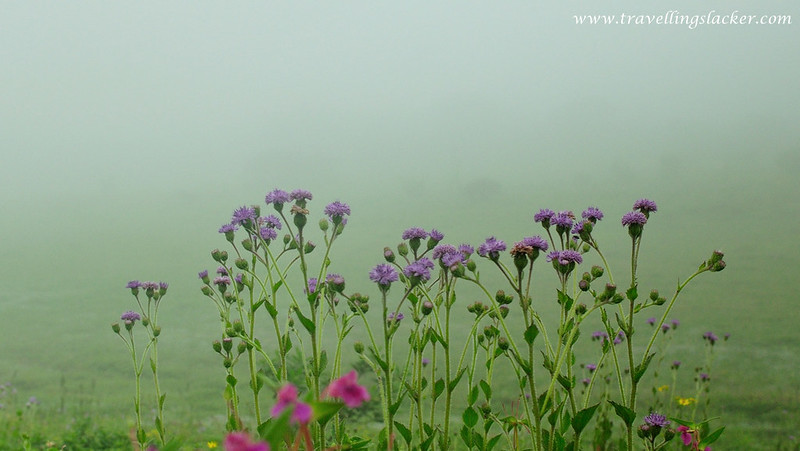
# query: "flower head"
591 367
287 397
436 235
675 323
301 195
271 221
656 420
228 228
634 218
414 233
646 206
312 285
347 388
544 216
268 233
243 216
277 198
491 248
133 284
466 249
563 219
710 337
130 317
383 274
565 257
651 321
240 441
592 214
535 242
336 211
418 271
392 318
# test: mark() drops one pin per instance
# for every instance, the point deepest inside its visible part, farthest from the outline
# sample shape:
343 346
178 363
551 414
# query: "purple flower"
347 389
436 235
238 278
442 250
705 377
491 248
312 285
544 216
466 249
334 279
592 214
591 367
599 335
676 364
268 233
222 281
133 284
586 381
301 194
336 211
271 221
563 219
578 228
634 218
203 274
240 441
222 271
645 206
130 317
150 285
675 323
451 260
535 242
391 317
656 420
710 337
665 328
651 321
243 215
277 197
228 228
426 361
419 270
565 257
383 274
415 232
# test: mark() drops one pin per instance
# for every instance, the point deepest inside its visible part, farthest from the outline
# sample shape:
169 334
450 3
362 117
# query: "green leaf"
531 333
466 436
404 432
565 382
473 395
161 401
231 379
583 417
621 323
427 442
566 420
563 298
627 415
487 389
553 417
273 429
493 442
323 361
453 383
273 312
711 438
632 293
276 286
642 368
470 417
393 408
307 323
438 388
227 393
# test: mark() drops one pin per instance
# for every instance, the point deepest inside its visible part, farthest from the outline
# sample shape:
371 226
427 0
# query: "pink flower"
347 388
686 437
287 397
239 441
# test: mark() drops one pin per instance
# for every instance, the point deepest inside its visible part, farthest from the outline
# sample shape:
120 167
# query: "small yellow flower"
212 444
685 401
663 388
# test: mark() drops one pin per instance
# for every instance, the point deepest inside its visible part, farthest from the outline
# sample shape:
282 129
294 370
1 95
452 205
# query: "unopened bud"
718 266
597 271
242 347
145 321
216 346
580 309
115 328
471 265
402 249
660 301
358 347
156 331
617 298
583 285
427 307
300 220
323 225
502 343
227 362
227 344
238 326
206 290
653 295
241 264
247 244
388 255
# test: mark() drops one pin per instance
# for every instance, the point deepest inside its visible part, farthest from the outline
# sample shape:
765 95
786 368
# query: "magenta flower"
240 441
287 397
347 389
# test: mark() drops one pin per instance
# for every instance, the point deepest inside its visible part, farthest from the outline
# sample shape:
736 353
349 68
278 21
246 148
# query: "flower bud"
309 246
358 347
486 410
502 343
247 244
610 289
597 271
661 301
216 346
718 266
643 431
287 239
229 297
716 257
227 362
129 325
227 344
241 264
580 309
402 249
300 220
230 332
206 290
242 347
586 276
156 331
669 434
586 248
388 254
583 285
238 326
617 298
427 307
471 265
323 225
653 295
145 321
115 327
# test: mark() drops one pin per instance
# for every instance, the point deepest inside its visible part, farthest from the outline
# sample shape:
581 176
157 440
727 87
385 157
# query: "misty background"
129 132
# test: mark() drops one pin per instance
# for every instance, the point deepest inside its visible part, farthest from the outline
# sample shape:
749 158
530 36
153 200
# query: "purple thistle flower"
238 278
656 420
442 250
591 367
645 206
592 214
705 377
130 317
334 279
391 317
586 381
268 233
336 211
271 221
436 235
222 271
634 218
563 219
451 260
312 285
491 248
133 284
676 364
651 321
565 257
243 215
535 242
577 229
383 274
301 194
150 285
222 280
599 335
202 274
617 340
466 249
426 361
675 323
418 270
414 232
277 197
228 228
665 328
544 216
710 337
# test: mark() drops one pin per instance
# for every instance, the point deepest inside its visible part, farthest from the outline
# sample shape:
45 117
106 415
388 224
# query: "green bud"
471 265
427 307
206 290
486 410
230 332
587 277
358 347
502 343
156 331
716 257
653 295
617 298
388 255
227 344
223 256
308 247
586 248
229 297
323 225
718 266
286 239
580 309
216 255
583 285
242 347
115 327
597 271
145 321
227 362
643 431
661 301
300 220
238 326
247 244
669 434
129 325
610 289
520 261
402 249
241 264
217 346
